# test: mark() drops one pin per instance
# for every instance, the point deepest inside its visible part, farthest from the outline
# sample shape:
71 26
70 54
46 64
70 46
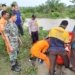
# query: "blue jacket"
18 14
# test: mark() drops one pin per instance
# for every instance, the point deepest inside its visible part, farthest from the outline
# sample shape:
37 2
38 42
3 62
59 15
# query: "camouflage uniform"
11 31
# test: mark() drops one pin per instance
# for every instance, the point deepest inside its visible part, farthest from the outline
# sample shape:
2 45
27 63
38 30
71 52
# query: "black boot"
17 63
15 67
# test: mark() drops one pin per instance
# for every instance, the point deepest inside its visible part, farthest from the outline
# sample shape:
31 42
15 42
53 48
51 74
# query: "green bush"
24 54
55 14
72 15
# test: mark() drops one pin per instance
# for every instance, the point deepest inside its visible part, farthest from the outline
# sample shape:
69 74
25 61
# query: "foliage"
27 68
51 9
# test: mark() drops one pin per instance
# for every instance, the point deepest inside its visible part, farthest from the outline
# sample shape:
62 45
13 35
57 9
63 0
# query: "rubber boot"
15 67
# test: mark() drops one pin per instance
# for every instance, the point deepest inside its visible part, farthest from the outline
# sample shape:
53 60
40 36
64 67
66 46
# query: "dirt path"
43 70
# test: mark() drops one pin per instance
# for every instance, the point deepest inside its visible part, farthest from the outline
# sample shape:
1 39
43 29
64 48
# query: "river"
47 24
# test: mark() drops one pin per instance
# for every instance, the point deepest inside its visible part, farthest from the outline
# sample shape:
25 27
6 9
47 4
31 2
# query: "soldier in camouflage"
11 31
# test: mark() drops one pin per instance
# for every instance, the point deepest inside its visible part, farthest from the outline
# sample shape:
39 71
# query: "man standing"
11 31
3 22
59 37
15 9
33 29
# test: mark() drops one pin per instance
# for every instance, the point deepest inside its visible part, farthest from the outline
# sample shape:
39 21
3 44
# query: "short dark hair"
4 12
11 14
4 5
33 16
64 23
13 5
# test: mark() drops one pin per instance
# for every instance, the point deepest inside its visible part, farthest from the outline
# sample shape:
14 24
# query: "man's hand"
11 49
67 47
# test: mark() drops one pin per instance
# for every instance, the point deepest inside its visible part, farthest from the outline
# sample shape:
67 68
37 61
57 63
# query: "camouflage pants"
13 55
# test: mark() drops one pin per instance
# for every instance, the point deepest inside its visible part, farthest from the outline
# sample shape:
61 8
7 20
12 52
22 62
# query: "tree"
55 5
73 2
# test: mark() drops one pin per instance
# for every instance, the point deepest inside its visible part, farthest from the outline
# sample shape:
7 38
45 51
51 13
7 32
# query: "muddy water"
47 24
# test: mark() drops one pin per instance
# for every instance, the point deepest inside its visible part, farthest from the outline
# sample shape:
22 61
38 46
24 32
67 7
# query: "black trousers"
34 36
20 28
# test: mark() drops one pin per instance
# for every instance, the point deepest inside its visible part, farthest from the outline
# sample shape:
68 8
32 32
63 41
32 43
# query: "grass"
27 68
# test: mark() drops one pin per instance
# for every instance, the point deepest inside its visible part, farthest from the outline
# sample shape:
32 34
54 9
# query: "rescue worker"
39 49
59 37
3 22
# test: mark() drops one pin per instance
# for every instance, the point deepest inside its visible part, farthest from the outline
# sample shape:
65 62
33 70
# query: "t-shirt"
33 26
59 33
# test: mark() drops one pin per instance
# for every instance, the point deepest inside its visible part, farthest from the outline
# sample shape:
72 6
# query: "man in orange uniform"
3 22
39 49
